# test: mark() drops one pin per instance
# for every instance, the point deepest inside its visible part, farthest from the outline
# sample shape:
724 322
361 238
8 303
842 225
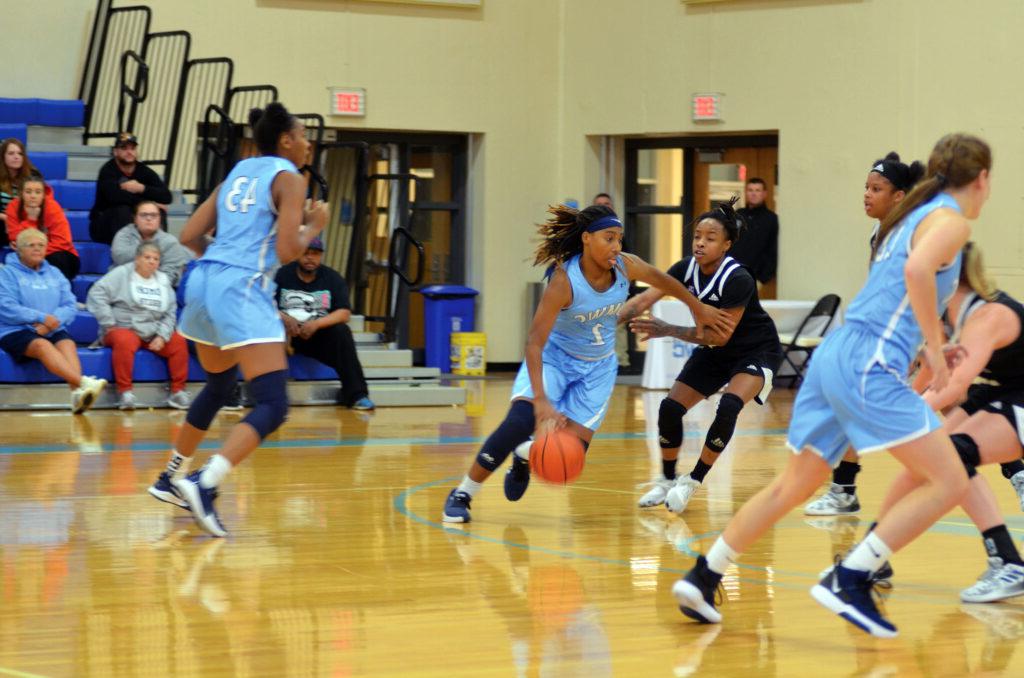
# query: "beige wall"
539 82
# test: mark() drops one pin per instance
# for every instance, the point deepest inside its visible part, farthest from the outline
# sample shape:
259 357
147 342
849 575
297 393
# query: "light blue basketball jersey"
882 307
246 217
586 329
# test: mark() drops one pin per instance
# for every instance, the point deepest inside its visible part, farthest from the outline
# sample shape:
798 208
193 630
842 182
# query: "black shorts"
709 369
17 342
997 400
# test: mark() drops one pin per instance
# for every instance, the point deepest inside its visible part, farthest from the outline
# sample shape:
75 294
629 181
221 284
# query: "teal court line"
956 528
440 441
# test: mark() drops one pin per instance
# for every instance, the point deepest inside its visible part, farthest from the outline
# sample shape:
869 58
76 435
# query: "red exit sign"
707 107
350 101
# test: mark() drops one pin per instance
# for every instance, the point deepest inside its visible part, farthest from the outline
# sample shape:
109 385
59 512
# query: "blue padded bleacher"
95 257
79 221
95 362
84 329
50 112
304 368
16 130
81 284
74 195
53 165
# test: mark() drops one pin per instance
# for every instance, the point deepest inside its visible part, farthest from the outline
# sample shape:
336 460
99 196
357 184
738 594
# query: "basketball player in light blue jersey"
570 367
260 221
856 393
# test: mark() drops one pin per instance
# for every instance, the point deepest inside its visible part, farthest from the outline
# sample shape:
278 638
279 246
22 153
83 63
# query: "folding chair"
808 336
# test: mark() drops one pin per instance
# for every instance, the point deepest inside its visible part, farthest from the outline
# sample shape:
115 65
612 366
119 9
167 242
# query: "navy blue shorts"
16 342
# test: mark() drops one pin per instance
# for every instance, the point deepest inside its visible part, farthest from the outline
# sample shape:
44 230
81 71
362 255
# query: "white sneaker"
180 400
679 496
1017 480
127 401
999 581
83 397
835 502
656 495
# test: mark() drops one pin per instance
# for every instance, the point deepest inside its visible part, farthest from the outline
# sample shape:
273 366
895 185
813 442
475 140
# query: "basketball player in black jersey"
986 426
744 361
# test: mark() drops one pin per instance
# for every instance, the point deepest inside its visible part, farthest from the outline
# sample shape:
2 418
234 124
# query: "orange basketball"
557 457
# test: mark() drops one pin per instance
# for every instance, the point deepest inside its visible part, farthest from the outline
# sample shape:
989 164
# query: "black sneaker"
517 479
234 403
848 593
456 508
699 592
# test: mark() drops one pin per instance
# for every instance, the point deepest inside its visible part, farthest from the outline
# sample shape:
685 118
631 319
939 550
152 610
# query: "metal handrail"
136 94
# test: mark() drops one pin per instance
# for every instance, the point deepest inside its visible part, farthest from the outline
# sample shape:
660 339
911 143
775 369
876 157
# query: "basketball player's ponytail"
562 233
268 124
973 274
726 215
956 161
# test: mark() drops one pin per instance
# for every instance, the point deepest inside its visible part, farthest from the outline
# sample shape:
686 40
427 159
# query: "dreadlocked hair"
562 234
726 215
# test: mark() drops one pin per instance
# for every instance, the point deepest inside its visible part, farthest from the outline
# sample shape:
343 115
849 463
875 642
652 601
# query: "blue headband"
603 223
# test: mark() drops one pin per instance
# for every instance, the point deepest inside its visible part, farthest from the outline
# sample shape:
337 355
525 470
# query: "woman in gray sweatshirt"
135 306
146 228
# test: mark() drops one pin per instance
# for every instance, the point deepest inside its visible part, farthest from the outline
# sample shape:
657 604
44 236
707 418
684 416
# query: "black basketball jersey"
731 286
1006 366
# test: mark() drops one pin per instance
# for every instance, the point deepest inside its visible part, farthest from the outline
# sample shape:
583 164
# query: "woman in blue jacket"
36 305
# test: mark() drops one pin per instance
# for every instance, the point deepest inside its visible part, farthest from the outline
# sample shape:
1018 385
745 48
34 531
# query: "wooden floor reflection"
337 564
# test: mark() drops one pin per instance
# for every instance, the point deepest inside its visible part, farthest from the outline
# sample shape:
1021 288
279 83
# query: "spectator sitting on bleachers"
17 167
122 183
36 208
146 228
135 307
313 304
36 305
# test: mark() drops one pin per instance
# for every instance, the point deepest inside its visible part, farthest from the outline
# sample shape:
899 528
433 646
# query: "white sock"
470 486
523 450
214 471
178 465
720 556
869 555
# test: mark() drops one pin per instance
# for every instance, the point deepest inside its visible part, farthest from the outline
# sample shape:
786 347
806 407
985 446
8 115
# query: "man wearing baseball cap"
314 307
123 182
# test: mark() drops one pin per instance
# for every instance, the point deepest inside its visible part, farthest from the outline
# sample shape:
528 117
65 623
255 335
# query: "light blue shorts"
579 389
848 400
228 307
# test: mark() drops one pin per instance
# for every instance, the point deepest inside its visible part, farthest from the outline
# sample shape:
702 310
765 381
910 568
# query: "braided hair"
726 215
562 234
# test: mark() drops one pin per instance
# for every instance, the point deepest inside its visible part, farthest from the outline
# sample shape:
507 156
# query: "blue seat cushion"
84 329
52 165
79 221
21 111
81 284
95 362
304 368
16 130
95 257
60 112
74 195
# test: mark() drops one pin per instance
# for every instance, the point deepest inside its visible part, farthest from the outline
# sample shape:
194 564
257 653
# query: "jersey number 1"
231 201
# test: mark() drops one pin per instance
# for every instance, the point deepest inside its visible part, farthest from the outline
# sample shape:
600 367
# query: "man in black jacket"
758 244
122 183
313 303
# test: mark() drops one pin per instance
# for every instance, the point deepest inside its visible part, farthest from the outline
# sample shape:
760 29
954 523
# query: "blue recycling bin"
446 309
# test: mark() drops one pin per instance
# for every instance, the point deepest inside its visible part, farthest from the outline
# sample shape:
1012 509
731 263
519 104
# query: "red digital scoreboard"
348 101
707 106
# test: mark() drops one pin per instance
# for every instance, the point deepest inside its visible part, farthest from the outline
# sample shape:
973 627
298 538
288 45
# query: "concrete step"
75 150
68 136
85 167
357 323
384 358
402 373
175 224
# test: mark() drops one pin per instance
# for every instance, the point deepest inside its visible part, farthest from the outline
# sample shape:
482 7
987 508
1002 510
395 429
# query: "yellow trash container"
469 353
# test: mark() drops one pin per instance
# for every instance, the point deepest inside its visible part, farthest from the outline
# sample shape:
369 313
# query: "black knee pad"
670 423
721 430
219 387
515 430
270 391
968 451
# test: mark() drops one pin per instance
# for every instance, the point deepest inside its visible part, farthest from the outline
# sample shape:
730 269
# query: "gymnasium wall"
538 82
